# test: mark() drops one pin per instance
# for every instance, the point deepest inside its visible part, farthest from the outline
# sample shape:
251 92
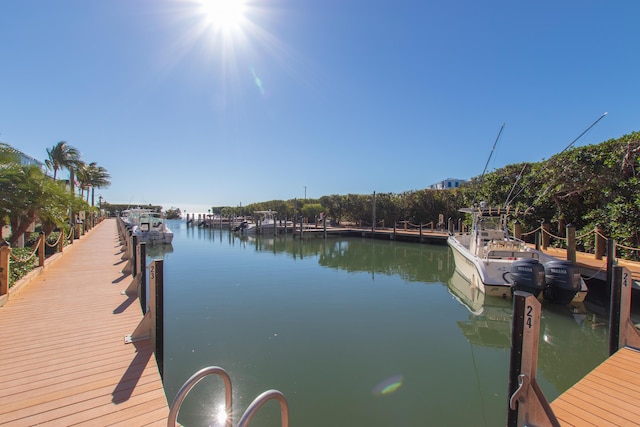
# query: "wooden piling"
5 251
546 236
571 242
600 242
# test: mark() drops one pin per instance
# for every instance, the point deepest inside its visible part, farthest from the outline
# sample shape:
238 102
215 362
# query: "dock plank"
63 358
606 396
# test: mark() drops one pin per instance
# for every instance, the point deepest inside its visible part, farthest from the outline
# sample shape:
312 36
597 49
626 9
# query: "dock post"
130 255
5 251
622 332
148 328
517 230
611 259
141 275
324 225
600 243
546 236
41 249
571 243
527 404
373 222
156 287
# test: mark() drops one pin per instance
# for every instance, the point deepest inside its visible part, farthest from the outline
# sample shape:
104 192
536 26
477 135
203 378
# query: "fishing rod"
548 163
513 187
489 159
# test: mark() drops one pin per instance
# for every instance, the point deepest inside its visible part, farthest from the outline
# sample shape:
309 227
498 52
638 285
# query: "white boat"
265 223
148 226
496 263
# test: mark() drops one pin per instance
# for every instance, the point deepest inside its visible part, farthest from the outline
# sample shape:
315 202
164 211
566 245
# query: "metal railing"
253 408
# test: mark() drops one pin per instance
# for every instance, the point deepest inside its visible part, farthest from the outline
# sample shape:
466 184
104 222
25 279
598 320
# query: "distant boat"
266 223
496 263
148 226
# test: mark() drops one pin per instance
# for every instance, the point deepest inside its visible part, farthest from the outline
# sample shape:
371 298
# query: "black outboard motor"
527 275
563 281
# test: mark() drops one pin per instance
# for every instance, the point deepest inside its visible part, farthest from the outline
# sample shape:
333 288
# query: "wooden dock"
410 235
63 358
596 268
608 396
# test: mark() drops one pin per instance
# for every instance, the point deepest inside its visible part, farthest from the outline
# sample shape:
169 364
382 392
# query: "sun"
224 14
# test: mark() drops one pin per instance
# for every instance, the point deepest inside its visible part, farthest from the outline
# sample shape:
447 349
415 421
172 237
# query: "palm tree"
92 176
63 156
99 179
82 175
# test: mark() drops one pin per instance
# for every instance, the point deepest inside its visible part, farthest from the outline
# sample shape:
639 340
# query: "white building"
447 184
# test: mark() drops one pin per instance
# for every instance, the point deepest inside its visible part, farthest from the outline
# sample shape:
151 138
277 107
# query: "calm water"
355 332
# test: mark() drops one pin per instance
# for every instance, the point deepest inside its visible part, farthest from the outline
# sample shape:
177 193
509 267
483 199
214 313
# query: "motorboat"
497 264
152 229
148 226
265 223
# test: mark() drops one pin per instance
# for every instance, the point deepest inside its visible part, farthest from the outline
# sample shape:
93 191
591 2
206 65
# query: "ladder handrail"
261 400
190 383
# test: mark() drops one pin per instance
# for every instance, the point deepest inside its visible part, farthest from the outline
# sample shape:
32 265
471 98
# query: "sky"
193 104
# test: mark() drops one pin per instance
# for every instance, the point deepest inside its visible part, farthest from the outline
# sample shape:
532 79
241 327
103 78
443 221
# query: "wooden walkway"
608 396
63 360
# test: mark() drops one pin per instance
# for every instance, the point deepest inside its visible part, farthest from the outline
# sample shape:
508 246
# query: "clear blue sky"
338 96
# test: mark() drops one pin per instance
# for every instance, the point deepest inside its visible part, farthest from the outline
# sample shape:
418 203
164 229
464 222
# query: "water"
354 332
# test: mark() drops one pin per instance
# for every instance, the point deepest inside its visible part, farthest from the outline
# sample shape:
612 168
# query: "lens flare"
388 386
220 416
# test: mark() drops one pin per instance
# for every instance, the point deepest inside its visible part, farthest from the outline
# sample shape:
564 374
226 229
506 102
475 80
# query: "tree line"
589 186
28 194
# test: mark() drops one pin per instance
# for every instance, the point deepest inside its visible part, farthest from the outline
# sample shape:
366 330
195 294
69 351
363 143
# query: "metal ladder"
248 414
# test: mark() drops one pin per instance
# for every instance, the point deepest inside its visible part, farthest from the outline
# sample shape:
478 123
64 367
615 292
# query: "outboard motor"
563 281
527 275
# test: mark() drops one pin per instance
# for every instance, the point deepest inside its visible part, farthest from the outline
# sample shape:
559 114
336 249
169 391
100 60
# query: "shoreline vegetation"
589 187
34 203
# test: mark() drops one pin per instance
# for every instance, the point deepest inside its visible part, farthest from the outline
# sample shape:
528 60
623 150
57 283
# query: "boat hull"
477 274
488 276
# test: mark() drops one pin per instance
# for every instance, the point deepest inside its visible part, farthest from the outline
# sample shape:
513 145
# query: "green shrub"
18 270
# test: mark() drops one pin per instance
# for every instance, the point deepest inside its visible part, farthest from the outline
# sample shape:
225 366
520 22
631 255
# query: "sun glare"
224 14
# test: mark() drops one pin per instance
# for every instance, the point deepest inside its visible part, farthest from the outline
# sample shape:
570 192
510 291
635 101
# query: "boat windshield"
489 223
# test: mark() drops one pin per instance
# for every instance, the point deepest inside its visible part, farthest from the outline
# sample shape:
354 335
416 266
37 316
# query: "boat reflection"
489 322
568 334
158 251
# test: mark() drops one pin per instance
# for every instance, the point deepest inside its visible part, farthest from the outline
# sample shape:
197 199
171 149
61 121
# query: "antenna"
565 149
490 154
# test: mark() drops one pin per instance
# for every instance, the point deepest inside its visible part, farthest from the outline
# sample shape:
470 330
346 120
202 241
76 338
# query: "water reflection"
415 263
158 251
570 335
366 332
